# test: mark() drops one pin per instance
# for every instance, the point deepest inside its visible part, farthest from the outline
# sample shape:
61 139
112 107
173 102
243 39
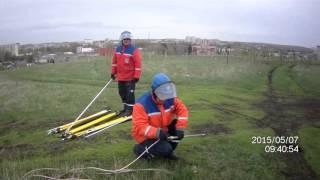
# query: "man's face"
126 42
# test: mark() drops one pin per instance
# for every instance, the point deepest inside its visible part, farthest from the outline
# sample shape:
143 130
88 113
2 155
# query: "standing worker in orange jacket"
126 68
157 115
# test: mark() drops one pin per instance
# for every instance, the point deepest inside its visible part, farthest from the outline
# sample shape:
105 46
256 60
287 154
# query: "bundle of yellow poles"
90 125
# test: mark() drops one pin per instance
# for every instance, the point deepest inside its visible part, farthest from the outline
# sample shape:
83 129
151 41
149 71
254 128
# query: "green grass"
309 138
304 79
223 100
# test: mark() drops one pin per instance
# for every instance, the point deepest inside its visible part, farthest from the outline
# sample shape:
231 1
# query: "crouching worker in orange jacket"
157 115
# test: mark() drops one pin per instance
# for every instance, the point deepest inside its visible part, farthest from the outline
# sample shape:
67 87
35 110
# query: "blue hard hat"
163 87
159 79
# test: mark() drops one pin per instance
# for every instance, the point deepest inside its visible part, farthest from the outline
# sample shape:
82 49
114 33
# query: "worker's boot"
128 111
123 110
172 156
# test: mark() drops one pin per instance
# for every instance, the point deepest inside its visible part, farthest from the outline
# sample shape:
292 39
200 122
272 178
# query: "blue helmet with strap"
159 79
163 87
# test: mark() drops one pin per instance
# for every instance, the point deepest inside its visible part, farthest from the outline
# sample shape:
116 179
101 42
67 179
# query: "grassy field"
232 103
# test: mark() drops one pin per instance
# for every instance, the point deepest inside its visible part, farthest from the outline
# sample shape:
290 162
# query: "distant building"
192 39
68 53
116 42
49 58
11 48
276 54
203 50
88 41
99 44
105 51
81 50
42 60
201 46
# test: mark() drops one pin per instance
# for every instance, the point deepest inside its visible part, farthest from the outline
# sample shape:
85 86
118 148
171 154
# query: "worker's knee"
163 148
138 149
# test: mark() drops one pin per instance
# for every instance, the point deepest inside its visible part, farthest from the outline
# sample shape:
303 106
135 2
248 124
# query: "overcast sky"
293 22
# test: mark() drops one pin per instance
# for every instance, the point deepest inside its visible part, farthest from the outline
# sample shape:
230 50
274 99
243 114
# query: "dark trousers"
163 148
126 92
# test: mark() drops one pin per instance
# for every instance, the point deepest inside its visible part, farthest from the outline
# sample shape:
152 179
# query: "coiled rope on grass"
106 171
101 170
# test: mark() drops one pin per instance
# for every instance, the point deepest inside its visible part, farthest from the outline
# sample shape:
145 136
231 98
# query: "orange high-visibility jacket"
149 116
126 63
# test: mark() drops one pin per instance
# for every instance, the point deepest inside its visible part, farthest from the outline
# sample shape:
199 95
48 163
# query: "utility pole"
227 57
228 52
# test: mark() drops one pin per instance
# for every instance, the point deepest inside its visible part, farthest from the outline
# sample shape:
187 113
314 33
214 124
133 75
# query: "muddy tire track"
285 124
226 109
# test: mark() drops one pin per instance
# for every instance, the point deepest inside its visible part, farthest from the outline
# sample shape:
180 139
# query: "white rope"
48 177
116 171
85 109
137 170
174 138
195 135
35 170
147 148
42 176
124 169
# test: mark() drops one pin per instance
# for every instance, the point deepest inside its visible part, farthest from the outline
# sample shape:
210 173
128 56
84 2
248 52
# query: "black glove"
162 135
113 77
135 80
180 134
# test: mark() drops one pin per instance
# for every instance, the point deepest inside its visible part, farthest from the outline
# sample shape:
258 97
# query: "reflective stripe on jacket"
148 117
126 63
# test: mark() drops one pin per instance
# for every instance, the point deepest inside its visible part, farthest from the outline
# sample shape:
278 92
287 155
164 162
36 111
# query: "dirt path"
287 124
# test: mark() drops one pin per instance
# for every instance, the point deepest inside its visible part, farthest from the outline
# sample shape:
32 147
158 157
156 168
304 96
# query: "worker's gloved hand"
113 77
180 134
162 135
135 80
